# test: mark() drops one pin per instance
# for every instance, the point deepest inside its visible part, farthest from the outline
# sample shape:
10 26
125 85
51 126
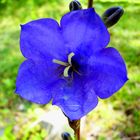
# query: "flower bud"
75 5
112 15
66 136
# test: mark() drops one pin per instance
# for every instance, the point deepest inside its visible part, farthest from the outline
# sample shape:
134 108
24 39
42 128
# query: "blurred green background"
116 118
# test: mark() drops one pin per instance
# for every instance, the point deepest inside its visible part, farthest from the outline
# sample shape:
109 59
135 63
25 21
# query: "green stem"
90 3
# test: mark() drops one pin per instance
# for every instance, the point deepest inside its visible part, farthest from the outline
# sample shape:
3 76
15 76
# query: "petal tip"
16 90
21 26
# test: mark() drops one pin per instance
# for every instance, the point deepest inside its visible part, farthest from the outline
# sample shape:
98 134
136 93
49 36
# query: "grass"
115 118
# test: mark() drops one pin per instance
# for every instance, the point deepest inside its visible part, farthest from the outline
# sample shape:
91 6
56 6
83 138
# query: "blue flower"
69 63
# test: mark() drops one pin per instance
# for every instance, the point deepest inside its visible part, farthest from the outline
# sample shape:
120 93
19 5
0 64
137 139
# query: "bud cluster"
110 17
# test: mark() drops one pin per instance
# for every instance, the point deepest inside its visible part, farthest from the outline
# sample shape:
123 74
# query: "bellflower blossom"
69 63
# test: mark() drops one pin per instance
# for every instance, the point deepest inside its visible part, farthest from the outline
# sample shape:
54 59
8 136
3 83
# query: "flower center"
67 65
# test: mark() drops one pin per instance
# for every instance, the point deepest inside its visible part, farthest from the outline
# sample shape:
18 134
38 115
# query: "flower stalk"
90 3
75 125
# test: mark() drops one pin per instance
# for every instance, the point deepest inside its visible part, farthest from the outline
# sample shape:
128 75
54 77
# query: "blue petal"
35 79
84 28
108 72
41 38
75 97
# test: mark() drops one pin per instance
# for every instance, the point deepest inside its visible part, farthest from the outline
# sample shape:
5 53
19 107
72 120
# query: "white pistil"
60 62
66 71
67 65
70 57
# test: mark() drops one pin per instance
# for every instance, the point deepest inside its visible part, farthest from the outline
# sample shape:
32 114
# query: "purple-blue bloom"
69 63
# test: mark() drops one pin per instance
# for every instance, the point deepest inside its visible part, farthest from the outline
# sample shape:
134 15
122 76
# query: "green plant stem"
90 3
